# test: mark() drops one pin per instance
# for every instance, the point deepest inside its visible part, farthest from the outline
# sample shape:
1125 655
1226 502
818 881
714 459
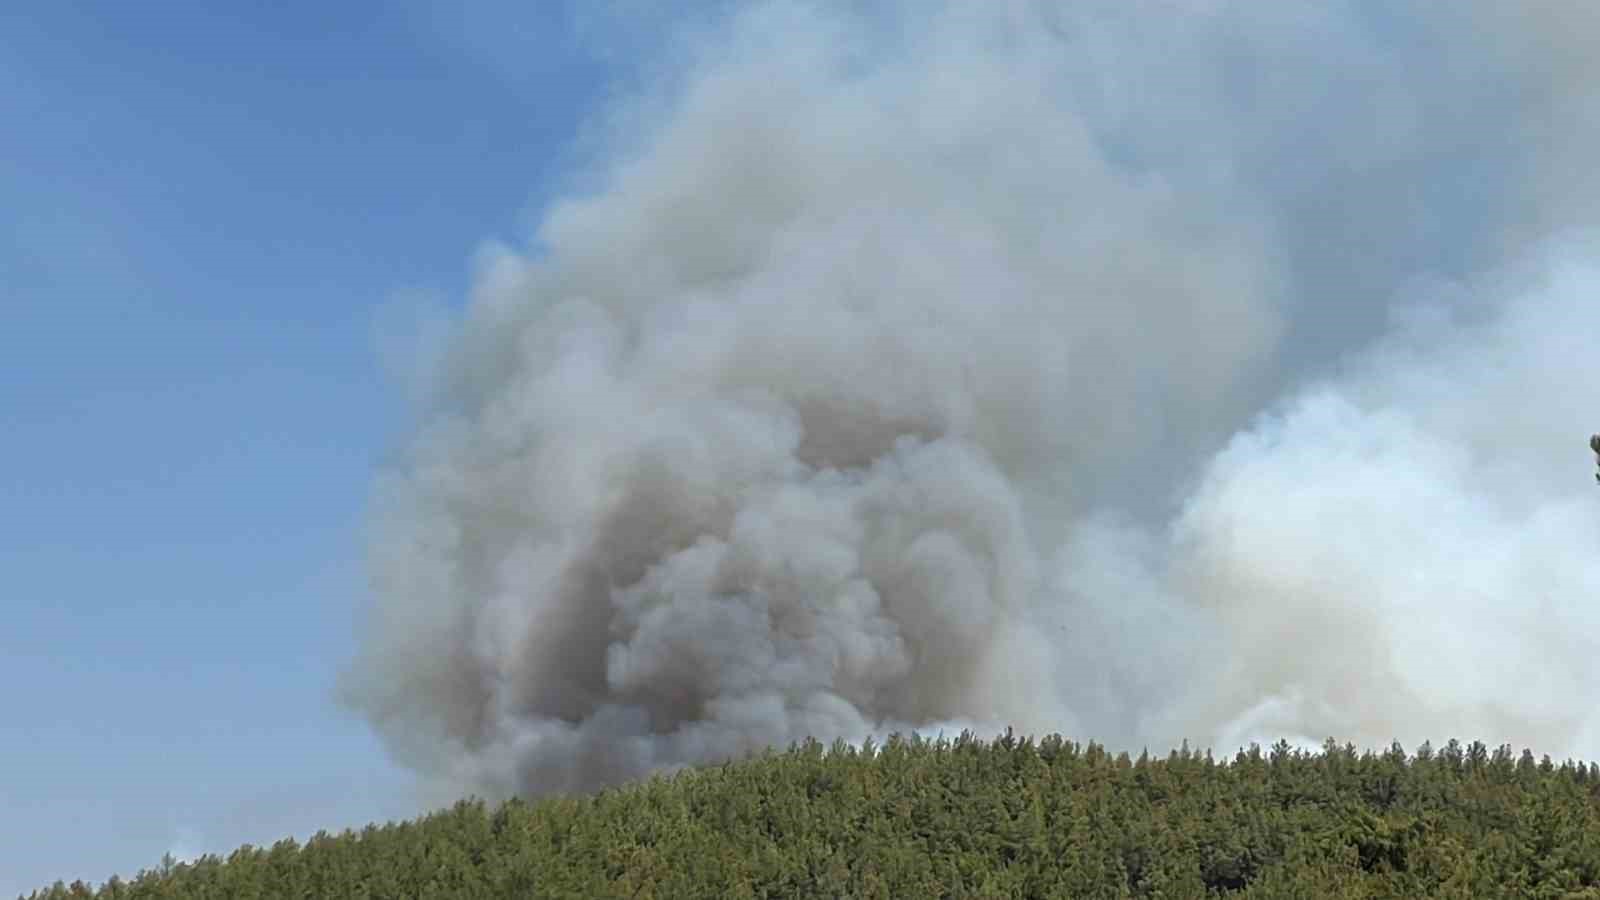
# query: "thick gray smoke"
1139 370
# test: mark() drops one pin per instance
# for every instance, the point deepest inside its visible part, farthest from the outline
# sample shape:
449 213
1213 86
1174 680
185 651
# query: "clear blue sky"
206 211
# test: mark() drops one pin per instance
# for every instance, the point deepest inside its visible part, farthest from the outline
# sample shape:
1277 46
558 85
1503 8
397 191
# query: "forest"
968 817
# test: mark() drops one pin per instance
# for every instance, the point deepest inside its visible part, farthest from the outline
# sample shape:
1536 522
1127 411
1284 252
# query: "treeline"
969 818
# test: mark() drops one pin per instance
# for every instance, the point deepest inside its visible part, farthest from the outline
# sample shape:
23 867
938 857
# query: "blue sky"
207 213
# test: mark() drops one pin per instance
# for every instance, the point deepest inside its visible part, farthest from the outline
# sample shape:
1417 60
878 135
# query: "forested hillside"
969 818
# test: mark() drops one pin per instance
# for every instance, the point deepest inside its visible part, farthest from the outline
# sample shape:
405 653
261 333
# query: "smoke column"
1141 371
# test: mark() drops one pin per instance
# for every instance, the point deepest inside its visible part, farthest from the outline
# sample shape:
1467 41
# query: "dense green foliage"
968 818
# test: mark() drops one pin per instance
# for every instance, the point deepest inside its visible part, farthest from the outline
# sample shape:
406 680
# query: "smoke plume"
1142 371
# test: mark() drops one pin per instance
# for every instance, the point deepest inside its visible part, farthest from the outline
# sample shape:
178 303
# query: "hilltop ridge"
965 817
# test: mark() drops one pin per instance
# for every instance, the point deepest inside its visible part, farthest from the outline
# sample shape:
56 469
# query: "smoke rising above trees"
1143 371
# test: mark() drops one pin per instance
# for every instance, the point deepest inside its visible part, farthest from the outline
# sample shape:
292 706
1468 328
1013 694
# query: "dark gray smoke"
1139 370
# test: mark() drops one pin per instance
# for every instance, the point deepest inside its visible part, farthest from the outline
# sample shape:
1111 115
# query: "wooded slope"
969 818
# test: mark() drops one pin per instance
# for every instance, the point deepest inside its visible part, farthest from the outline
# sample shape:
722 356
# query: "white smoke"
1142 371
1410 551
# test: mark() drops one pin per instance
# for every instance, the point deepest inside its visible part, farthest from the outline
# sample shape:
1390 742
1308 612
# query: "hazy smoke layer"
1142 371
